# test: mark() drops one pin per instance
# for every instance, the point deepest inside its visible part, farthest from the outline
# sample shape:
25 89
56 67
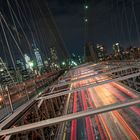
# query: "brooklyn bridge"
48 91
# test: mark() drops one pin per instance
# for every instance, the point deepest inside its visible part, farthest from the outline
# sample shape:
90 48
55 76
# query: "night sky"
105 17
109 22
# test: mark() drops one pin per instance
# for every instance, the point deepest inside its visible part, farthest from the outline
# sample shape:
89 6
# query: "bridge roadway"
92 84
118 124
91 101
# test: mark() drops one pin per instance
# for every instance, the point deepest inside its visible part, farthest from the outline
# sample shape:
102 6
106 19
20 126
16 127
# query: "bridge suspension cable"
7 43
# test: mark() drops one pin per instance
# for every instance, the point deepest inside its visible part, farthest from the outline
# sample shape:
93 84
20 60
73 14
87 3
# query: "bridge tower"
90 53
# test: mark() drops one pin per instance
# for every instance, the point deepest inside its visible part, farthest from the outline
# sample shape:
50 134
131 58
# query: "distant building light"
1 70
38 58
63 63
74 63
31 64
117 44
86 20
86 6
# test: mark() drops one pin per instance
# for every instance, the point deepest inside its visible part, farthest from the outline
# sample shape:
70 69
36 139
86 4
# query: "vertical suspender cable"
4 51
85 3
25 19
117 22
13 22
7 43
111 21
122 25
7 70
120 18
30 48
86 21
127 22
56 32
114 25
37 29
19 12
50 30
12 37
135 19
26 22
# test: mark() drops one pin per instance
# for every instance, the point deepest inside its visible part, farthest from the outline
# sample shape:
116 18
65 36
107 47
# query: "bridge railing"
123 62
13 97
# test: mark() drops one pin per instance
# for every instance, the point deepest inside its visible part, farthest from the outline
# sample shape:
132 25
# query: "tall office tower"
20 64
101 52
117 49
22 73
27 61
54 56
38 58
6 78
53 59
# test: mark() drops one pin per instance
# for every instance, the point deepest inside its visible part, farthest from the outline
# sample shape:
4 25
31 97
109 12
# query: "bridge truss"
43 116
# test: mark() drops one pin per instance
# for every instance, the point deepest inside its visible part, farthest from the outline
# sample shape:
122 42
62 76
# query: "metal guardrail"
64 118
13 97
120 78
68 117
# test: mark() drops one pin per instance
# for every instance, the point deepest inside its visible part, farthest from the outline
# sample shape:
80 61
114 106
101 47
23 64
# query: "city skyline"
105 17
64 11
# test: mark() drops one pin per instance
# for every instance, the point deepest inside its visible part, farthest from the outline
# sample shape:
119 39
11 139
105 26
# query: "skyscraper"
101 52
22 73
27 60
5 75
20 64
53 58
117 49
53 53
38 58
